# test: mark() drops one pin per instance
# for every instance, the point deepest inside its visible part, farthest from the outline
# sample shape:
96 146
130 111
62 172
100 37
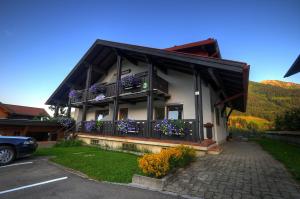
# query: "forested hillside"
270 98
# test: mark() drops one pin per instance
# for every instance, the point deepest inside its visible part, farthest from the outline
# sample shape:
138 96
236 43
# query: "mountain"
270 98
281 84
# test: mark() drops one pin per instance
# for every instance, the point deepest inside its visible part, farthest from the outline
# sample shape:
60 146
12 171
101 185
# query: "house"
295 68
16 120
153 98
10 111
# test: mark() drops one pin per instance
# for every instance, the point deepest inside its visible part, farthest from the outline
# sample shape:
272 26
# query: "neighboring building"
18 120
295 68
189 85
10 111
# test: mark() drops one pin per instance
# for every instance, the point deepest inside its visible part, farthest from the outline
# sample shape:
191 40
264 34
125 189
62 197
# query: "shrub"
160 164
68 143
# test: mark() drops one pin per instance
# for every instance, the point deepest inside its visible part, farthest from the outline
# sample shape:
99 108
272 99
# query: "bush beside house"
160 164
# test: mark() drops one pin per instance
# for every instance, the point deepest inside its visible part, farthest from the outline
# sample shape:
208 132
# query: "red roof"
23 110
208 48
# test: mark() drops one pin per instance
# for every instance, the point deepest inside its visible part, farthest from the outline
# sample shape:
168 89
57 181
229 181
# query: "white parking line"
32 185
16 164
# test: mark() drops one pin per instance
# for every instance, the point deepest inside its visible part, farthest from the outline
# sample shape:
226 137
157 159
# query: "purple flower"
171 127
66 122
125 126
100 97
96 88
130 81
90 125
73 94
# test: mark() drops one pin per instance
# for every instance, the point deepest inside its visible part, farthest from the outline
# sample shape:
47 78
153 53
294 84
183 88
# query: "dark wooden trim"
230 99
199 82
150 99
85 95
69 109
56 111
116 99
196 133
228 115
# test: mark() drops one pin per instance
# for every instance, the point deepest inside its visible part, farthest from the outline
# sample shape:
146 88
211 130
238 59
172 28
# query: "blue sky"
41 41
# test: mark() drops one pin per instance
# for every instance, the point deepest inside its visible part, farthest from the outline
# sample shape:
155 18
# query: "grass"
286 153
96 163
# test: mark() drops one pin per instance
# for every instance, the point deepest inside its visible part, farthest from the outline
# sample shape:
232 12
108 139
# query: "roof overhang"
232 75
295 68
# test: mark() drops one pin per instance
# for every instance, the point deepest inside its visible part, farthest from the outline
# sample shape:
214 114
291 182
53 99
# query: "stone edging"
152 183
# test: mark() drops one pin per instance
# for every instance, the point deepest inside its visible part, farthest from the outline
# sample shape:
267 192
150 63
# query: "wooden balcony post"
150 99
85 94
56 111
196 93
117 89
69 109
198 106
199 82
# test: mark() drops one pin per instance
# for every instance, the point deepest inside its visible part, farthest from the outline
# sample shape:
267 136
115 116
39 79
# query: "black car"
13 147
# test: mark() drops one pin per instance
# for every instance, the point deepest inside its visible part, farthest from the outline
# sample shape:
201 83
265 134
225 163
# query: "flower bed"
160 164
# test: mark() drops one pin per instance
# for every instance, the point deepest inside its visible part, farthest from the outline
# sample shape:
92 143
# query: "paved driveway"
243 170
38 179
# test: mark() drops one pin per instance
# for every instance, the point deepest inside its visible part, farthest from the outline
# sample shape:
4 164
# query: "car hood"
14 137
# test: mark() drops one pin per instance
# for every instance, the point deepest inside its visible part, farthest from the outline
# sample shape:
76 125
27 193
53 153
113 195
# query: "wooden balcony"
105 92
138 129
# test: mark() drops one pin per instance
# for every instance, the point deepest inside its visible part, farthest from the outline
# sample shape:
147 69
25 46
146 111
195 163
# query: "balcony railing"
138 128
129 85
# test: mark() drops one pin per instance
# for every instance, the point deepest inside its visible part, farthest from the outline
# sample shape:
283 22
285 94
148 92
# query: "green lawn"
97 163
288 154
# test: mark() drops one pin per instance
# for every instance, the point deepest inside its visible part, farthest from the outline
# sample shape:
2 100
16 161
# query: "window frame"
174 105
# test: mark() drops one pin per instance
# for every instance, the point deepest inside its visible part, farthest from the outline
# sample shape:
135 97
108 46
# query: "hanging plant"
96 88
73 94
130 81
66 122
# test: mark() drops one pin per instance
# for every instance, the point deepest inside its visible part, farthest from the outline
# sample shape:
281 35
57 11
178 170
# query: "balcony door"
101 114
123 114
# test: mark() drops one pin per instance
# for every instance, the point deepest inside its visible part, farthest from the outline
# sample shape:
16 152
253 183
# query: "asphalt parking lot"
37 178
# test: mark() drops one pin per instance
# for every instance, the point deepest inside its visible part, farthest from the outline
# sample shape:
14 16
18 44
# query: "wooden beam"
217 81
150 98
116 99
229 99
196 94
85 95
69 110
228 115
56 111
200 104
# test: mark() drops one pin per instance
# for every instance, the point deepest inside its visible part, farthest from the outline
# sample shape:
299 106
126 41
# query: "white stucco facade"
181 92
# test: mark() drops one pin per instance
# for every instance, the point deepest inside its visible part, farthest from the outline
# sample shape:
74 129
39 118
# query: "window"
100 114
123 114
159 113
175 112
217 116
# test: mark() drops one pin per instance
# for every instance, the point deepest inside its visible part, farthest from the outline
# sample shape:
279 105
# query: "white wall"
219 131
206 104
181 90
